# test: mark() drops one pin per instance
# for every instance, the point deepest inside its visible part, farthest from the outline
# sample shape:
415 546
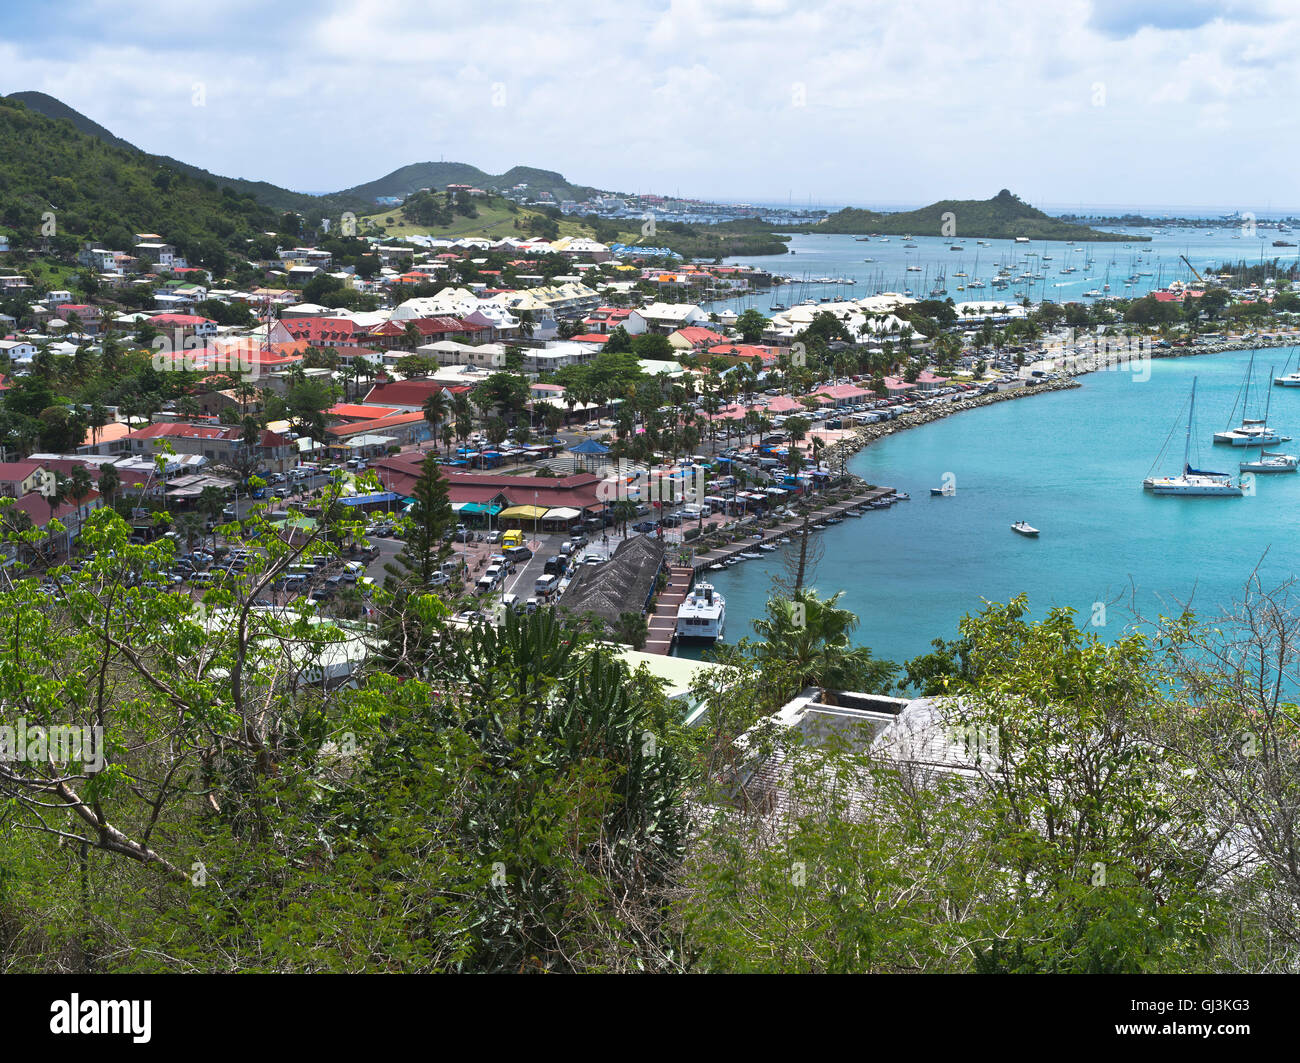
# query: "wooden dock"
663 621
790 527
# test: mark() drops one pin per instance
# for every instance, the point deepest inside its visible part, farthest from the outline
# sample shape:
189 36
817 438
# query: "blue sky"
1065 102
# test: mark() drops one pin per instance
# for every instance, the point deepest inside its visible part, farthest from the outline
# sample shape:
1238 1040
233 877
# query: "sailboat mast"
1187 445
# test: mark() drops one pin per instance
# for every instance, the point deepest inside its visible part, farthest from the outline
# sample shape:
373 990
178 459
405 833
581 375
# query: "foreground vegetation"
519 799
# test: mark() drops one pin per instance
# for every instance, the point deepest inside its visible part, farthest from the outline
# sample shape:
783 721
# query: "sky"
1068 103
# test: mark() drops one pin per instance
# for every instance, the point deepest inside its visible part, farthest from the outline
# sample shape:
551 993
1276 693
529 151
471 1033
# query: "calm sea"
1111 263
1070 463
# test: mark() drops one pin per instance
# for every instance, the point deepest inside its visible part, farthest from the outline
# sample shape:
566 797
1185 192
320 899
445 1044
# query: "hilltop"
407 180
1003 217
116 192
360 199
269 195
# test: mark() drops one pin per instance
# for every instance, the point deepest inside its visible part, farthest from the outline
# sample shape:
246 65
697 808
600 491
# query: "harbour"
1111 550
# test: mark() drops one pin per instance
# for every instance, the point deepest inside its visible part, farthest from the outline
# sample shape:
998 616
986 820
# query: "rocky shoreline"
865 435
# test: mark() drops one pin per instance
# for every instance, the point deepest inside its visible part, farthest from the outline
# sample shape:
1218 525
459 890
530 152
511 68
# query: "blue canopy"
368 500
589 446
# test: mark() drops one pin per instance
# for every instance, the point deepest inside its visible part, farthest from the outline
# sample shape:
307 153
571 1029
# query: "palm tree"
811 637
623 510
435 412
210 503
97 418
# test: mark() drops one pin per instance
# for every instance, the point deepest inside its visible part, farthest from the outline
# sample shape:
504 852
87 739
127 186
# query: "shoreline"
864 435
1072 366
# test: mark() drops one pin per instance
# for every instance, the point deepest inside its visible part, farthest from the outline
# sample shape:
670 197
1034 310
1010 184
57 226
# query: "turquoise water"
1071 463
843 256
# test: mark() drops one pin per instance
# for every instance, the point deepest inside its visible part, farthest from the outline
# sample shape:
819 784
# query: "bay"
1071 463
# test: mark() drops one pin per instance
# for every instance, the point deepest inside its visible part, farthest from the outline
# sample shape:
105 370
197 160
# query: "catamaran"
703 615
1193 482
1253 431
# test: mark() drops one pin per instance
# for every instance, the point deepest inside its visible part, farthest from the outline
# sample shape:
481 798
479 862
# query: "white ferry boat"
703 615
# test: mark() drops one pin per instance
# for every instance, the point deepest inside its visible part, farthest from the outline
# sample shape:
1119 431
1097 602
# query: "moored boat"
1193 482
1025 528
703 615
1271 461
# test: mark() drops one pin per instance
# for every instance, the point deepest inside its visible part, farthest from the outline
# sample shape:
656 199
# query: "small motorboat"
717 568
939 491
766 547
834 520
903 496
853 512
753 555
1023 528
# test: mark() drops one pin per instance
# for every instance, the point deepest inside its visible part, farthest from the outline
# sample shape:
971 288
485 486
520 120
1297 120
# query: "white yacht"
702 616
1290 380
1271 461
1253 431
1193 482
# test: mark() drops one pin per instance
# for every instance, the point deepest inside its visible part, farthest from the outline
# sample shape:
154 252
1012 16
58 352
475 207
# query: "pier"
791 527
663 621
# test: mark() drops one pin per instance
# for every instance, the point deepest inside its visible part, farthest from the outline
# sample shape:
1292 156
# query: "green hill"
360 199
104 193
1003 217
410 179
278 199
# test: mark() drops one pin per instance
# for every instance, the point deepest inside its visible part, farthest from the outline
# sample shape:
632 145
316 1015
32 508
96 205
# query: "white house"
20 352
669 317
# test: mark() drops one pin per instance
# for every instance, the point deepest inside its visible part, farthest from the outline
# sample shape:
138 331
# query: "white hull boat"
1271 461
703 616
1193 483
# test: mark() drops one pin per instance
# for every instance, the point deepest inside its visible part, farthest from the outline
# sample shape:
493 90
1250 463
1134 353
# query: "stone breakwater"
867 434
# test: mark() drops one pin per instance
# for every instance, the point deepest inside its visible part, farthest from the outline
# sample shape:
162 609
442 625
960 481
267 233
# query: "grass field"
495 221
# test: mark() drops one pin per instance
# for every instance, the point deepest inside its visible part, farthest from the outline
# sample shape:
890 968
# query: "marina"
911 572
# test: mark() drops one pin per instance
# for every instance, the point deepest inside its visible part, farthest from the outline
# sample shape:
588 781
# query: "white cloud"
888 102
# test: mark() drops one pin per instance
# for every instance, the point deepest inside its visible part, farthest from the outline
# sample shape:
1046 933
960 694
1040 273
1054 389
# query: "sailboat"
1287 380
1252 432
1193 482
1270 460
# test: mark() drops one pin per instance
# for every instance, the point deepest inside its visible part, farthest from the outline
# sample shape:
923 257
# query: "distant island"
1136 220
1004 217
